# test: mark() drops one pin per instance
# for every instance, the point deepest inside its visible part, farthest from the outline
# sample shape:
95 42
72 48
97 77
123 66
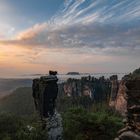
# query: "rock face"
120 102
38 87
43 90
128 135
133 103
114 90
132 122
72 87
54 127
96 89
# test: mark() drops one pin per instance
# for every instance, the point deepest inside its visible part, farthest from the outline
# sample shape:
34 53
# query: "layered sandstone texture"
132 121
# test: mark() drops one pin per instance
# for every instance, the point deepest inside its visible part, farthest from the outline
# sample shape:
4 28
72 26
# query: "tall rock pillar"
114 90
45 92
132 122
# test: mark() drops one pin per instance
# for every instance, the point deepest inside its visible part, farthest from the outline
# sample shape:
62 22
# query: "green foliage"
80 124
18 128
134 75
136 72
94 122
20 102
34 134
64 103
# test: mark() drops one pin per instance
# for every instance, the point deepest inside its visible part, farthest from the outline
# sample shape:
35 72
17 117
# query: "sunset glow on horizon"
89 36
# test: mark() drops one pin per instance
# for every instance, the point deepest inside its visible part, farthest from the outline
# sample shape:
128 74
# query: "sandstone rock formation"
120 102
72 87
131 87
114 90
54 127
52 123
96 89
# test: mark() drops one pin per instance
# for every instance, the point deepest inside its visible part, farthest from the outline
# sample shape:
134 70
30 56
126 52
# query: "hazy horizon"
86 36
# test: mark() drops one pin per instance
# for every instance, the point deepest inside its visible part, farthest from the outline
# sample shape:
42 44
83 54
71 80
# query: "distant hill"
7 86
20 102
73 73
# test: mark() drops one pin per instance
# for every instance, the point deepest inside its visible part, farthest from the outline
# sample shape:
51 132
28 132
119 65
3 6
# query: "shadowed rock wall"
131 92
97 89
114 90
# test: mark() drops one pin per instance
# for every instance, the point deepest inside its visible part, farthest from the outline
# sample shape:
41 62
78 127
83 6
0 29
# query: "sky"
89 36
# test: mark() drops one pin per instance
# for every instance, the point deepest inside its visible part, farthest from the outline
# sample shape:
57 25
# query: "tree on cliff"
136 72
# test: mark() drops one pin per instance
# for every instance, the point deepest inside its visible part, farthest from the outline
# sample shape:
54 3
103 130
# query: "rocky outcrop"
114 90
43 94
96 89
54 127
120 102
72 87
132 122
128 135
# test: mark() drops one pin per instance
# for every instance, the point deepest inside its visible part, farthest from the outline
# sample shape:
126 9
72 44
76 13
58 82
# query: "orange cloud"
32 32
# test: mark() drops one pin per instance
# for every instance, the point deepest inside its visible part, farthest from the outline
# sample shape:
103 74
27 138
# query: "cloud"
83 24
32 32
